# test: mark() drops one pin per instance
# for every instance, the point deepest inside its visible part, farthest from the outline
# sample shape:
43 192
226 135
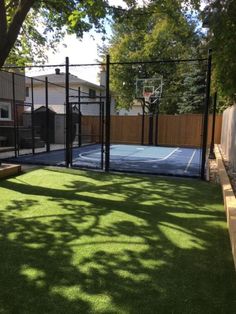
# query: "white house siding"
135 110
56 97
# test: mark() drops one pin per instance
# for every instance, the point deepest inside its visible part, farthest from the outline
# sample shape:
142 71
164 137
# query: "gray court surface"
131 158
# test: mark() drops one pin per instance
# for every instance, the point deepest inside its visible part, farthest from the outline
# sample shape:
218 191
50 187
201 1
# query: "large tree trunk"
9 33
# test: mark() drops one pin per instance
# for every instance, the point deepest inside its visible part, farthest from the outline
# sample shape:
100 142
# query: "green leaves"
42 24
163 33
221 23
74 17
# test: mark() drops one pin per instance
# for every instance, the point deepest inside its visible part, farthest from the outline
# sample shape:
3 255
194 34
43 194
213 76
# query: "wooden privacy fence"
173 130
228 142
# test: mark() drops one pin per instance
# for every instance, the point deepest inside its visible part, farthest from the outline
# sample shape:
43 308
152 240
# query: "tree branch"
11 3
14 28
3 22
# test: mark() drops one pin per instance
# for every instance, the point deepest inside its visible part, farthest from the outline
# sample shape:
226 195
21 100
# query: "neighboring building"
89 106
7 112
135 110
56 93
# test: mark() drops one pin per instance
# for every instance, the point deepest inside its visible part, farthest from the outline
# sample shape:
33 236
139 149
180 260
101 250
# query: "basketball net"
147 96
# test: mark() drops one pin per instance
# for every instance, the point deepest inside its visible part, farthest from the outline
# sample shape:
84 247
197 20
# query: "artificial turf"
85 242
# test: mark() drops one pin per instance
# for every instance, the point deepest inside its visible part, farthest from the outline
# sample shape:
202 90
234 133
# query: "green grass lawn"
83 242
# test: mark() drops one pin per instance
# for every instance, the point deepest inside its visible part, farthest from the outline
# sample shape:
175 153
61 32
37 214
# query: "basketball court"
160 135
128 158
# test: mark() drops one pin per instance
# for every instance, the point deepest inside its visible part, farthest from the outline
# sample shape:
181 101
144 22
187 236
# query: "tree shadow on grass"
31 263
128 250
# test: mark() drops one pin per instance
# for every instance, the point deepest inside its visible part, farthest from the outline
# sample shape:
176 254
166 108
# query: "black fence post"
108 116
100 118
68 135
79 119
32 116
101 126
212 153
47 116
205 120
15 112
17 131
102 135
143 123
150 135
156 128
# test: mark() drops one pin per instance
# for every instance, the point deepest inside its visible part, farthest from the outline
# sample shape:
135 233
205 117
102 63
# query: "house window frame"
27 91
92 93
8 103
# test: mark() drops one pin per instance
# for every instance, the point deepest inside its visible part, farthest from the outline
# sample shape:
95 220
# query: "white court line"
81 155
90 158
166 157
190 160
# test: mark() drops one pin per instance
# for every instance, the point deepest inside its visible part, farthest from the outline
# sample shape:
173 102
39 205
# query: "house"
89 104
89 93
135 110
11 105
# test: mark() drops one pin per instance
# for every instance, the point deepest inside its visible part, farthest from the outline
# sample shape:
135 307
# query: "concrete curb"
7 170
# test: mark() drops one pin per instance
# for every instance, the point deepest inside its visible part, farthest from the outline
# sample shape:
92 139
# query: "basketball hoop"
147 96
149 89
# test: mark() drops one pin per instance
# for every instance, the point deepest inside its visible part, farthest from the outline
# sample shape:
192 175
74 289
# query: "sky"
83 51
79 52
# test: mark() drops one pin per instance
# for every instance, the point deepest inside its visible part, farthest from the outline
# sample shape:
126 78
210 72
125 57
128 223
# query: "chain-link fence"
148 117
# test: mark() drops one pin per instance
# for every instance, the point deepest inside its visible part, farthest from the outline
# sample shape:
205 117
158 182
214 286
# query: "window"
92 93
5 110
27 91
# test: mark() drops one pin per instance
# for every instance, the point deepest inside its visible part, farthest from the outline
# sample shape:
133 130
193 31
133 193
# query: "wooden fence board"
228 143
173 130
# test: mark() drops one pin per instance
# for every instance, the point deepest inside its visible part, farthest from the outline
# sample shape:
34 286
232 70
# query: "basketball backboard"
149 88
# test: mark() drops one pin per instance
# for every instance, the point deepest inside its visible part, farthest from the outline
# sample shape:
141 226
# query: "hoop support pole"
108 116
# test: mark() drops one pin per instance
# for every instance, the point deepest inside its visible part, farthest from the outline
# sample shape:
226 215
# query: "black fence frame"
205 116
105 117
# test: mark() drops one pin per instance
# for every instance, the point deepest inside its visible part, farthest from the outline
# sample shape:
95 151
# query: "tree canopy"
220 19
169 30
157 32
27 26
160 29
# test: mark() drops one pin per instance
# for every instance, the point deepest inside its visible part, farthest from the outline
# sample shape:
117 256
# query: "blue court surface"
133 158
